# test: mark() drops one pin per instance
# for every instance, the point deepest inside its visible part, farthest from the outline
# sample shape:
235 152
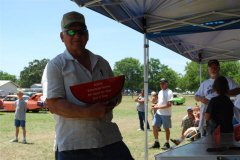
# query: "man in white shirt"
163 114
205 92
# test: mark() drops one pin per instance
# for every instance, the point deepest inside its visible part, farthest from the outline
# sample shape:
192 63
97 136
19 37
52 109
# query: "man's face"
189 112
163 85
213 71
75 42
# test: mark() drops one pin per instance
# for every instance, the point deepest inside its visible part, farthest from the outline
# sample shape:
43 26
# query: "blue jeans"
141 116
115 151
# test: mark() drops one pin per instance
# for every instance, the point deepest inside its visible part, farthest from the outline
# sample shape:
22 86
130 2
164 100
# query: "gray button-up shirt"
78 133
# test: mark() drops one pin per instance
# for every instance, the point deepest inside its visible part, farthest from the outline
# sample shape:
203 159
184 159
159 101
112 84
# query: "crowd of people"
216 108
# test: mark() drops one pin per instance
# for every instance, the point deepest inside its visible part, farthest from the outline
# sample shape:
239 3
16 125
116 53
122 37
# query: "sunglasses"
72 32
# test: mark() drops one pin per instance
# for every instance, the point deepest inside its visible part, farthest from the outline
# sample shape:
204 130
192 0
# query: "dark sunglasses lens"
82 31
71 32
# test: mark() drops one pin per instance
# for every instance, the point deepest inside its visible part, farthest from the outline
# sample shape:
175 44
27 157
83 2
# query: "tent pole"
146 94
200 65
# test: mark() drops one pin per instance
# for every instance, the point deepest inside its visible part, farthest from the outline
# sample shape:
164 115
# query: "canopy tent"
198 30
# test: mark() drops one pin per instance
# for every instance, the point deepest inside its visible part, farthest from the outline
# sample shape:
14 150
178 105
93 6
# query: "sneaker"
166 146
14 140
174 141
24 142
140 129
155 145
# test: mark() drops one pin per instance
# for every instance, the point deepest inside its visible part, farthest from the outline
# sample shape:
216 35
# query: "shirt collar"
93 58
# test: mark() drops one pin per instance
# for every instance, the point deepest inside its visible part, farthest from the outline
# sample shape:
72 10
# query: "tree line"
134 74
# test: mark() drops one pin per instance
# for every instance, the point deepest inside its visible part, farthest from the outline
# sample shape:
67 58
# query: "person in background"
83 131
192 132
20 116
205 90
141 111
220 108
236 110
188 120
197 116
163 114
154 100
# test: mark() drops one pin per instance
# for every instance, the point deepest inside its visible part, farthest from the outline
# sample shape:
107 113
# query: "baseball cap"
189 108
164 80
153 93
72 17
213 61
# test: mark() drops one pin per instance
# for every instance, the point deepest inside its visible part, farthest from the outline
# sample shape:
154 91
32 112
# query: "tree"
231 69
6 76
158 71
133 71
33 73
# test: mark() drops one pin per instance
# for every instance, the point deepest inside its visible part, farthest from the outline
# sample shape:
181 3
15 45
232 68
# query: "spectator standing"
220 108
20 116
163 114
205 90
141 111
83 131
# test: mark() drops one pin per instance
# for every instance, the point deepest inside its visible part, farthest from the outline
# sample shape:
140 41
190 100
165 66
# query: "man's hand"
100 109
204 100
201 99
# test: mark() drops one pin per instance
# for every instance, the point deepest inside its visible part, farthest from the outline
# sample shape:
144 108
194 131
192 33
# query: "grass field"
40 132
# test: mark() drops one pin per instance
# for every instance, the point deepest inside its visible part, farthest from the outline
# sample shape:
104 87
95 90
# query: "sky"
30 29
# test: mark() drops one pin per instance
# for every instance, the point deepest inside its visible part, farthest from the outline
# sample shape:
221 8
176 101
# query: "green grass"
40 132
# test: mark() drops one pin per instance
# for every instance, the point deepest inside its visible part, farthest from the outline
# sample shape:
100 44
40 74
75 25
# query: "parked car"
32 102
9 102
1 106
178 100
29 93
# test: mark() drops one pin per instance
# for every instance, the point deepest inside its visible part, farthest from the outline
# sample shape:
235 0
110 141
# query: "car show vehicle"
178 100
32 102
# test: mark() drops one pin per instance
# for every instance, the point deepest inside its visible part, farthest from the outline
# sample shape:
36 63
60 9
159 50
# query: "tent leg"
146 59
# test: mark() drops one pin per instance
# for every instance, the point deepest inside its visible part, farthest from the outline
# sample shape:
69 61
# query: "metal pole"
200 64
146 57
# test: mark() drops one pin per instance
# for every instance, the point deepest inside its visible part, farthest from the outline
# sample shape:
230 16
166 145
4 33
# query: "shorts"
19 123
160 120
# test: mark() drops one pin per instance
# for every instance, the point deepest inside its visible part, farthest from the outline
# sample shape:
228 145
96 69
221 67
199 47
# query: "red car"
9 102
32 102
1 106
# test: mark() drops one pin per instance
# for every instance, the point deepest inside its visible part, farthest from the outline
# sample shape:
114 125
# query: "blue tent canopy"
198 30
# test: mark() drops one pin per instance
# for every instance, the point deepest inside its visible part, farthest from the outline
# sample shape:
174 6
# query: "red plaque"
237 133
98 91
217 136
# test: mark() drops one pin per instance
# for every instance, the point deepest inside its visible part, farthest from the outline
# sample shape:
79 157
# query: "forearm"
198 98
68 109
233 92
163 106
